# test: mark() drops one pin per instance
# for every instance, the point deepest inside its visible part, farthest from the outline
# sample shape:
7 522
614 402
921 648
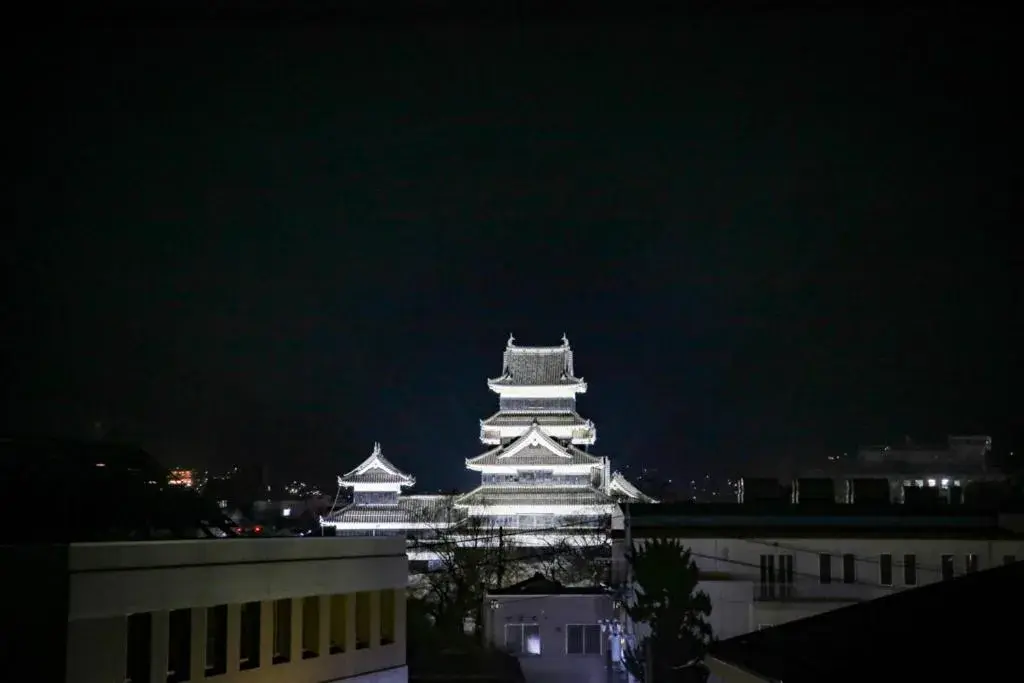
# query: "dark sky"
764 236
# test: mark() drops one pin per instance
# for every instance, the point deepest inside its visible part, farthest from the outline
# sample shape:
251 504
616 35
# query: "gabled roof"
536 365
376 470
533 449
622 486
858 639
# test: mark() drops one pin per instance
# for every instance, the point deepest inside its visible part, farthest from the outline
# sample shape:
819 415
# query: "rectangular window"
522 639
362 620
767 576
947 567
786 569
582 639
910 570
249 637
216 640
885 569
849 568
972 563
311 627
1009 559
388 606
179 645
339 619
282 631
824 568
139 650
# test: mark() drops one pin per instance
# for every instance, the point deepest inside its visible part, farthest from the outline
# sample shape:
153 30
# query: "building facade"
296 610
558 634
537 477
766 567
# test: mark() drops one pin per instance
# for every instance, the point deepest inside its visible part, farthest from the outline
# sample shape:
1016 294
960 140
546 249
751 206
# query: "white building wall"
109 581
737 603
552 613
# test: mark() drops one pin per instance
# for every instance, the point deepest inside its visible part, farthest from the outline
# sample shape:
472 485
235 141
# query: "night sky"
765 237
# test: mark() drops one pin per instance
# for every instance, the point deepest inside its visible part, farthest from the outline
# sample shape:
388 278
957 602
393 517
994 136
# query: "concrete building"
254 610
932 633
559 634
768 566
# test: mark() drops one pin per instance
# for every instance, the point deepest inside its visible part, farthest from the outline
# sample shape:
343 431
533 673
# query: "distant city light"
182 477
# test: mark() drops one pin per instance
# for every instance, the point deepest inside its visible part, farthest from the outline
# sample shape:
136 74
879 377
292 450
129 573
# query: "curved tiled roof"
534 495
627 489
537 365
409 510
376 470
504 418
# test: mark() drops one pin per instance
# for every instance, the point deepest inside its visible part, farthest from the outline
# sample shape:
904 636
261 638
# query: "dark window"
388 607
825 568
179 646
339 622
972 563
282 630
216 640
583 639
311 627
362 620
849 568
885 569
1009 559
786 569
767 576
910 570
947 567
249 645
139 650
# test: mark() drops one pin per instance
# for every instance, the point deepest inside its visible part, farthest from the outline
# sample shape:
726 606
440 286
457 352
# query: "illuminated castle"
538 474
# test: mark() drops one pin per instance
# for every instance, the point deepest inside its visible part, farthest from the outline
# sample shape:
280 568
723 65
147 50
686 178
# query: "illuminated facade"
538 474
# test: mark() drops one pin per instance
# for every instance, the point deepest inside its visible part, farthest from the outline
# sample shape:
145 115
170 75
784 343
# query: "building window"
139 650
339 619
824 568
849 568
910 570
362 620
179 645
972 563
885 569
522 639
216 640
249 637
282 631
786 569
947 567
767 576
583 639
1009 559
388 605
311 627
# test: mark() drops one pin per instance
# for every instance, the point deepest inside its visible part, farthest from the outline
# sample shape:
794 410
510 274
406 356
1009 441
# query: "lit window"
522 639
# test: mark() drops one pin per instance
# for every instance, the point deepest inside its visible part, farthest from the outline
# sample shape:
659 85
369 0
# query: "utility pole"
648 662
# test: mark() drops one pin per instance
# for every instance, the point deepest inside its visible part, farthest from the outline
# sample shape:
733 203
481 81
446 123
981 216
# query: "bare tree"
468 557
